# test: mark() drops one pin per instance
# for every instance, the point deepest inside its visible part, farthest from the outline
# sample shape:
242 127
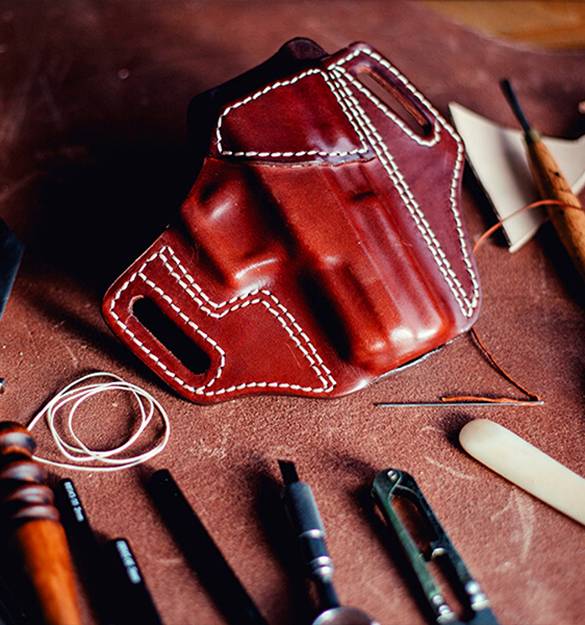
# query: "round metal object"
344 616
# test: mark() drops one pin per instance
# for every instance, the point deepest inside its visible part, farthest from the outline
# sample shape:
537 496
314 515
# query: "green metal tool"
387 487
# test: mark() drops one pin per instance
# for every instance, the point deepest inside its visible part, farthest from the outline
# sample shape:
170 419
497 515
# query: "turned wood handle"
30 521
569 223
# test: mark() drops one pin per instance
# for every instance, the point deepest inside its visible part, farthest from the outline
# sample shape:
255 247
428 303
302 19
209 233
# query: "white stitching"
289 154
467 306
399 182
456 173
346 59
413 207
427 143
376 141
209 307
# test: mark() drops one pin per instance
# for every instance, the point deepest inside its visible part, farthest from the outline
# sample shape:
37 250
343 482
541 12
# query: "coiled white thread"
79 453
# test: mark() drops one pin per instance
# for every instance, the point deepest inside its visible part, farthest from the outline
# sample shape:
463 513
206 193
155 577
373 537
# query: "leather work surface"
95 163
311 226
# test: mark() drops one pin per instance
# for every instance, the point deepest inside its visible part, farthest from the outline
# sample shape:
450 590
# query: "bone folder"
526 466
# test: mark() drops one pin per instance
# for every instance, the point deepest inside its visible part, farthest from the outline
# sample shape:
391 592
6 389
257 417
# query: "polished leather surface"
321 246
89 183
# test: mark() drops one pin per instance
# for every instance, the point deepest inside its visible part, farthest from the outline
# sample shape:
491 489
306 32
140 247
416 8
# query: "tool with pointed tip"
552 185
30 526
392 484
305 520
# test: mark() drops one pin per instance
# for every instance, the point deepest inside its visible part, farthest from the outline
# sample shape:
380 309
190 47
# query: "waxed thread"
532 398
72 397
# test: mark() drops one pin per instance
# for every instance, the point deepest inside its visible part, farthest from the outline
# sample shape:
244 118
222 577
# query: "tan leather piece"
96 145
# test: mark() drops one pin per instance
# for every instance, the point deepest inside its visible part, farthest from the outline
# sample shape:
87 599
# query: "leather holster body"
321 246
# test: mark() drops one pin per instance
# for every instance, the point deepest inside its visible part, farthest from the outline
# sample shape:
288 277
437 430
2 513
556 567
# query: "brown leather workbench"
94 162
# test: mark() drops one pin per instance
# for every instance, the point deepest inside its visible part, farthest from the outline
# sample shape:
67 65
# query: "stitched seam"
457 170
427 143
387 161
413 208
468 304
209 307
246 302
289 154
458 163
345 59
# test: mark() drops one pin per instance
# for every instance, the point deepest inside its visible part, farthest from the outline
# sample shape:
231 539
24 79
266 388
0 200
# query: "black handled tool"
84 545
388 486
305 520
129 593
111 573
201 552
11 250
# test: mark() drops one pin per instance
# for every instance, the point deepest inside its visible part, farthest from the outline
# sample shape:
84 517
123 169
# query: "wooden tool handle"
569 223
31 522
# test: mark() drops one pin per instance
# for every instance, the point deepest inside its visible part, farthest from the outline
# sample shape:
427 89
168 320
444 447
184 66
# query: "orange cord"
532 397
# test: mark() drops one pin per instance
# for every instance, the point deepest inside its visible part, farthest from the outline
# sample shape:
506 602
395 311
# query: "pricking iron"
388 486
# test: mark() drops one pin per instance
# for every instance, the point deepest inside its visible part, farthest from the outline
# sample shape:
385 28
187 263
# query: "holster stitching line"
315 361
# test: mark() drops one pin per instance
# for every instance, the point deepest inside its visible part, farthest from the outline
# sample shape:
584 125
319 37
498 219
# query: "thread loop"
79 453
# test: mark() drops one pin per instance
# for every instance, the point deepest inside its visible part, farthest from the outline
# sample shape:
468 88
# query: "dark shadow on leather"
324 311
100 212
558 259
344 462
482 204
452 423
576 127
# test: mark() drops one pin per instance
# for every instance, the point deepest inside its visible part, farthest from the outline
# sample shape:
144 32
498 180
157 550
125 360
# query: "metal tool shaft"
306 522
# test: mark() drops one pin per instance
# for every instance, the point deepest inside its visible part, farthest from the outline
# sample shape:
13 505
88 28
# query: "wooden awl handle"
30 524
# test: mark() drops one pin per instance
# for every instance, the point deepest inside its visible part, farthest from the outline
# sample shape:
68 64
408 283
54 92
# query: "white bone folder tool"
526 466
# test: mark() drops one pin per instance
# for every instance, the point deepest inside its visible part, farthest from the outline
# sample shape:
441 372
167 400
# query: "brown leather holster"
321 246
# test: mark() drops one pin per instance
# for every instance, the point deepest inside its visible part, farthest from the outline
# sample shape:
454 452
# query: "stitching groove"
337 80
466 304
218 310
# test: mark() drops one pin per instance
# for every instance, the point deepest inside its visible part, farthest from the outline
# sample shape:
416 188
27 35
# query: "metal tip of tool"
288 471
512 98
